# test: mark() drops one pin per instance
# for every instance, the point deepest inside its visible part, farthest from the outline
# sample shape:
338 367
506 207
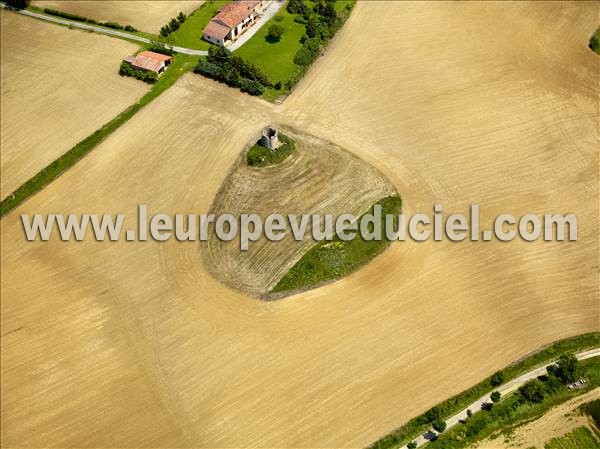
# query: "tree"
533 391
567 368
181 17
469 412
497 379
275 33
433 414
412 445
19 4
296 7
495 396
439 425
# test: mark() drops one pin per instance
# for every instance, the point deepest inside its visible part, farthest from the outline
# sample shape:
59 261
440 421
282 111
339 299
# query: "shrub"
412 445
307 54
595 42
19 4
159 47
277 85
142 75
274 33
300 19
497 379
251 87
278 18
439 425
495 396
113 25
181 17
65 15
487 406
129 28
469 413
533 391
296 7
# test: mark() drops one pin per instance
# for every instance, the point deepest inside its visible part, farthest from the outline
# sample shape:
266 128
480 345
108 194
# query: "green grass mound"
335 259
259 156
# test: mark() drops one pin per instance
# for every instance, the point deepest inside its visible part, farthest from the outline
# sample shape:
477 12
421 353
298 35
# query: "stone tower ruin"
270 138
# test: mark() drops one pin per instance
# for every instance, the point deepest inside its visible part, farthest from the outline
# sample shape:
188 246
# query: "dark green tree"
533 391
495 396
412 445
497 379
19 4
275 33
439 425
181 17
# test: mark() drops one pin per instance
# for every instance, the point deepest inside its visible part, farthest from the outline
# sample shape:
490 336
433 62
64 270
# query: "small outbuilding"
150 61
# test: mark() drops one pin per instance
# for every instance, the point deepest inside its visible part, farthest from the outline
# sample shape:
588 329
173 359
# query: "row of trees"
173 24
78 18
234 71
565 371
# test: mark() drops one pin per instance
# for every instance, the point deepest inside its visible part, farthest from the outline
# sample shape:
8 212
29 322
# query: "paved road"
271 10
504 390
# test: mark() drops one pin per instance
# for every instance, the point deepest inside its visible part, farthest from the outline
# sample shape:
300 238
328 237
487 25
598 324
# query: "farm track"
135 344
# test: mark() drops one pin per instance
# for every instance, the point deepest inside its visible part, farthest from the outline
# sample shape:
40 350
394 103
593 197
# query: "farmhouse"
232 20
150 61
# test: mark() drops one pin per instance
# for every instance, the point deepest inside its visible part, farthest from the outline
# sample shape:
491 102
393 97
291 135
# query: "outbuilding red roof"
148 60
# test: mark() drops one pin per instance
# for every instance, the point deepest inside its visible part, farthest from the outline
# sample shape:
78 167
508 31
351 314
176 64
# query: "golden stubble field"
58 87
145 15
133 344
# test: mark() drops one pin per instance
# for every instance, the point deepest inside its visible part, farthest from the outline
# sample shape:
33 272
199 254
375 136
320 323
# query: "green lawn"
329 260
276 60
189 35
580 438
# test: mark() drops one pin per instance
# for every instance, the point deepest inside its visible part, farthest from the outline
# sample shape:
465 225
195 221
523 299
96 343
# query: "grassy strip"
449 407
189 34
331 260
180 65
595 41
579 438
514 410
259 156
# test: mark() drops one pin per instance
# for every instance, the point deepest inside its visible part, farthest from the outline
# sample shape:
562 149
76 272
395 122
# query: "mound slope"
318 177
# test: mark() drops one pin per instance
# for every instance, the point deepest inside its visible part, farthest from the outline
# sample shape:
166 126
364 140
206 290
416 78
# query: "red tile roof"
148 60
229 17
233 13
216 30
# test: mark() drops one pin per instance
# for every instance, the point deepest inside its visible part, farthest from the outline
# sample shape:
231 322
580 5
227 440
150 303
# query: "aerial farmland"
170 343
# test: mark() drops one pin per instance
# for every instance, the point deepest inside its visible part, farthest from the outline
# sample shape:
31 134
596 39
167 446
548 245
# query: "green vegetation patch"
259 156
580 438
530 402
180 65
330 260
189 34
595 41
276 59
447 408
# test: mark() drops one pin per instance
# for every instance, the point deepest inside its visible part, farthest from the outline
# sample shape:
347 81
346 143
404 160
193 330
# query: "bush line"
447 408
78 18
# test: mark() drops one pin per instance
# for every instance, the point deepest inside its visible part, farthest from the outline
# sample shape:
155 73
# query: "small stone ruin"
270 139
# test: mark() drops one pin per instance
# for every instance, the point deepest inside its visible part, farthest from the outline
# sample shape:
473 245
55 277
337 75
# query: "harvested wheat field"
55 92
556 422
318 177
145 15
134 344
